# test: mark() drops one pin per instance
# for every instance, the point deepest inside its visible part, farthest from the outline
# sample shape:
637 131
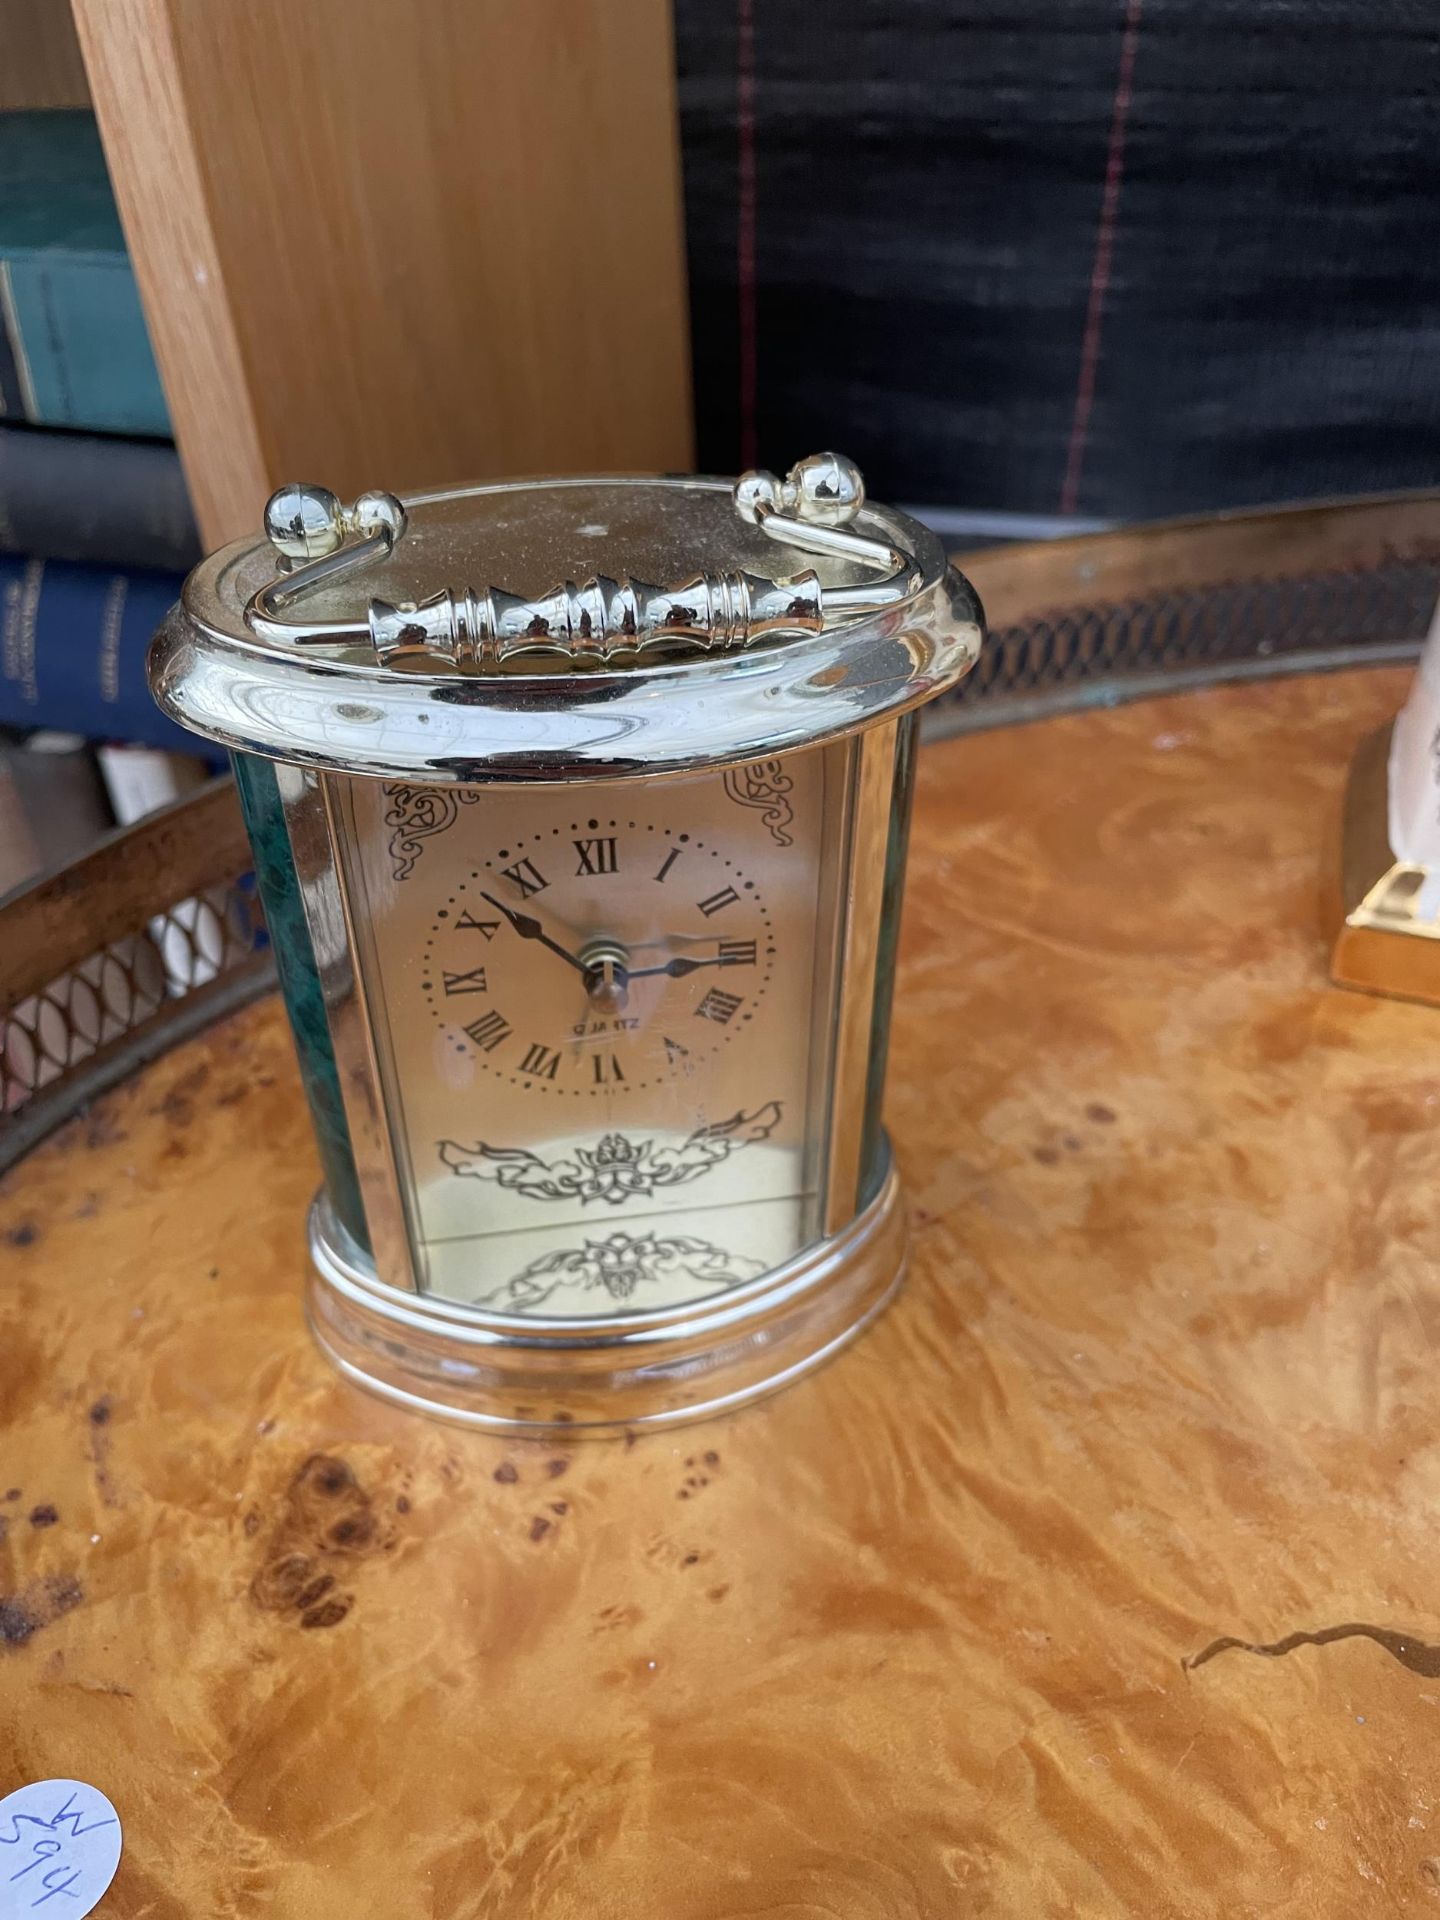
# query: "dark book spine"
72 650
97 499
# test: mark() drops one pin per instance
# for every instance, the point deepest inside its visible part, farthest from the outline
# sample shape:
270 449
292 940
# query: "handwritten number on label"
44 1850
67 1839
56 1885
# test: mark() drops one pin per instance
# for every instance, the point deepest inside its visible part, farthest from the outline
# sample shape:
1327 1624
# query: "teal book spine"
74 348
79 345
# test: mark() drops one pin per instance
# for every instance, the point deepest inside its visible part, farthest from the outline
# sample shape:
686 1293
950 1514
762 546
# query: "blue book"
74 349
72 650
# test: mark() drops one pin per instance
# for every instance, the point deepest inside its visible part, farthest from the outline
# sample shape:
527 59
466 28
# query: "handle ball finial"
824 489
304 522
827 489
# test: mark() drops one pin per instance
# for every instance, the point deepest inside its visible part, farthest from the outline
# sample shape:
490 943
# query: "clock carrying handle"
319 540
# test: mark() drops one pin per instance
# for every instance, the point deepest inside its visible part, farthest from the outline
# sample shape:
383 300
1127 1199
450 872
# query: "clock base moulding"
604 1374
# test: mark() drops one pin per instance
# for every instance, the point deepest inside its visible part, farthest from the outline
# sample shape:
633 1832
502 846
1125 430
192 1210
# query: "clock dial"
599 955
604 1030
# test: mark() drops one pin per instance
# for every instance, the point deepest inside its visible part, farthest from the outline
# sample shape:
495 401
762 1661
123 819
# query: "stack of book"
96 531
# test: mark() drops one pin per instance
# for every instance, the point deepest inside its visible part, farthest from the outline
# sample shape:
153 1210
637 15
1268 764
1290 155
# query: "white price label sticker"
60 1842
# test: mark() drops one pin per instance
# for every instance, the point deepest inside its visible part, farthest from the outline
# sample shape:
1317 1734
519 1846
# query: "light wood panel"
389 245
1098 1578
40 64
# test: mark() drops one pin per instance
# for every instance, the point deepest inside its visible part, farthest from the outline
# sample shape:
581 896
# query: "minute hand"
678 967
530 929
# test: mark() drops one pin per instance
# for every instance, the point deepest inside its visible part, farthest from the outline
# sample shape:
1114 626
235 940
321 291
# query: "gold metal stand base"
1380 946
603 1376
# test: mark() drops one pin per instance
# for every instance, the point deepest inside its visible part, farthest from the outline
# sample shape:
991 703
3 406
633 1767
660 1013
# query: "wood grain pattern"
385 246
909 1639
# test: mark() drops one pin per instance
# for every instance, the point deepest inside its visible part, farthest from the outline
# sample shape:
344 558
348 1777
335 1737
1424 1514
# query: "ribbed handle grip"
599 619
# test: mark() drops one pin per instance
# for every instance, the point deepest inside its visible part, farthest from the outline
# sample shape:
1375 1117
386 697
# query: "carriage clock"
583 900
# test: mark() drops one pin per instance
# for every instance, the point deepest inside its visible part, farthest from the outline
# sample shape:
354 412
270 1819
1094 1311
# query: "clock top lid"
569 629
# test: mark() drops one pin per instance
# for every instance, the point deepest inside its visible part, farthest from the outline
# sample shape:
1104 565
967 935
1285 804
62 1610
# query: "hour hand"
529 928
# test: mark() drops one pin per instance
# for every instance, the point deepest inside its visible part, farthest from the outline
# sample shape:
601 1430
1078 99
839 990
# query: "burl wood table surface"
1101 1577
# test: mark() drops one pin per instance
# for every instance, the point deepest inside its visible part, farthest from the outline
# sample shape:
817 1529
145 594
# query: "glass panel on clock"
604 1019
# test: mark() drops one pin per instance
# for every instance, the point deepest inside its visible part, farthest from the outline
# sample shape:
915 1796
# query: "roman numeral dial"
526 878
490 1031
586 960
597 856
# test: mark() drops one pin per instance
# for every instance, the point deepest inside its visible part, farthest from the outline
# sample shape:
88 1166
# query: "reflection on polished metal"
594 944
214 672
811 508
602 618
513 1373
862 873
308 524
340 948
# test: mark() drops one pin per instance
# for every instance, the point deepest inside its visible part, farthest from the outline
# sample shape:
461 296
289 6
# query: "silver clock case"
389 1322
213 673
336 722
626 1372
